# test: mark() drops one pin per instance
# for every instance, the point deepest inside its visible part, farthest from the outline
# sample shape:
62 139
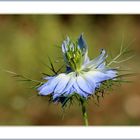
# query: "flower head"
83 76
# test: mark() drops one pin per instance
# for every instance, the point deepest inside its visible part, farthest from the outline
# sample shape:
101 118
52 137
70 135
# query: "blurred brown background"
27 40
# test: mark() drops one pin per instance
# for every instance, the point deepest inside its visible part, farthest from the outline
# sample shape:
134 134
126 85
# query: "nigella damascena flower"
83 76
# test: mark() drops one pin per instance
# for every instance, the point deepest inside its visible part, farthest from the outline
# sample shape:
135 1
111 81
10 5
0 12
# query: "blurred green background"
26 41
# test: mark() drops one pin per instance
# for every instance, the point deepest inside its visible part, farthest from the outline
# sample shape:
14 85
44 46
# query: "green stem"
84 112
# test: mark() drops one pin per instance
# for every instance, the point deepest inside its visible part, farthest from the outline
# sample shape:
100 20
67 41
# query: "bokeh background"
26 41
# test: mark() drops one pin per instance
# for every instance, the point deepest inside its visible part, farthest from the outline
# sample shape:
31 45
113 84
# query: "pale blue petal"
98 76
49 86
49 77
65 44
63 81
65 48
101 66
68 89
86 59
96 62
45 84
90 81
111 73
41 87
83 84
80 91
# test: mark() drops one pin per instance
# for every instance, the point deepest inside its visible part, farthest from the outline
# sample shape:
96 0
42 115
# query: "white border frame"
70 132
68 7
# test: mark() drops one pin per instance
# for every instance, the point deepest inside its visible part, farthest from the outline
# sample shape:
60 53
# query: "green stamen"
74 56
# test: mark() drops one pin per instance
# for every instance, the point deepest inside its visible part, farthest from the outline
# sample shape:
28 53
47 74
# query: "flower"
83 76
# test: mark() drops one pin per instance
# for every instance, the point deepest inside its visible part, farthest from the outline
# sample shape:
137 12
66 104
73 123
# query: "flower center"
74 56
